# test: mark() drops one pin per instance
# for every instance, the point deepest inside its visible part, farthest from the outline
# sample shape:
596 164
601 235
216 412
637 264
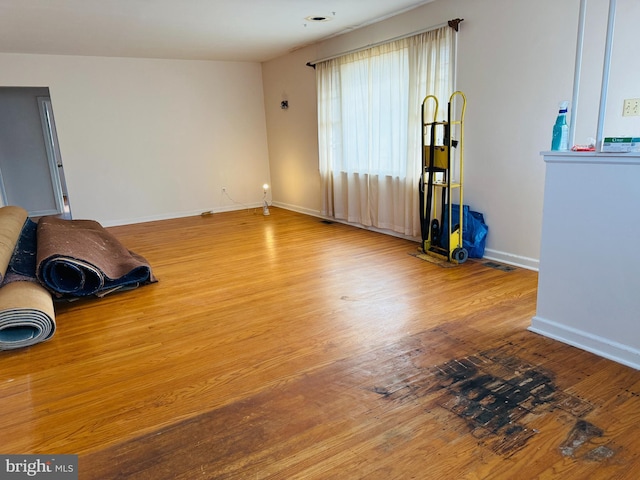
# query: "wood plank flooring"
284 347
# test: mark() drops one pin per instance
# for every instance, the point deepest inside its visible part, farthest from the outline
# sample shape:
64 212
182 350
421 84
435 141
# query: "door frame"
53 151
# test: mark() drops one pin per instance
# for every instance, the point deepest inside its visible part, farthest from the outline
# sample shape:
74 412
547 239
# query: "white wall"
624 80
293 133
624 76
146 139
515 63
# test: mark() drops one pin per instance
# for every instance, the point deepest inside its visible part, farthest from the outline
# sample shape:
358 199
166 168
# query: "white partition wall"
589 279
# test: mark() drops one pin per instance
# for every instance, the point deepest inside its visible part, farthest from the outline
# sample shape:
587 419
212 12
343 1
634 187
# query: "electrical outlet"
631 107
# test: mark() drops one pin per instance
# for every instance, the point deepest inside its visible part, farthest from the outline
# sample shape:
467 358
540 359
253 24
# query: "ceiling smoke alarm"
317 18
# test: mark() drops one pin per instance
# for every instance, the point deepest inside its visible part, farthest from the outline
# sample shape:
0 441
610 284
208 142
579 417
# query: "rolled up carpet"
78 258
26 315
23 262
12 220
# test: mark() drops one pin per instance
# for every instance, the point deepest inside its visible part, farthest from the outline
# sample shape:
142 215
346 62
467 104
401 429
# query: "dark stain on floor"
580 438
493 393
498 266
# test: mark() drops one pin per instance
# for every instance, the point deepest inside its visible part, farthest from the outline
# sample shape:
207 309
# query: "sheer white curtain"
369 128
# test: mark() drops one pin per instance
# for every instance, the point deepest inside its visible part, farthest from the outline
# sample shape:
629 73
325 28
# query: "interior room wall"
624 77
293 132
148 139
624 81
515 63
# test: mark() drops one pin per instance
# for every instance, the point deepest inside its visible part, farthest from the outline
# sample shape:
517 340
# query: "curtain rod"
452 23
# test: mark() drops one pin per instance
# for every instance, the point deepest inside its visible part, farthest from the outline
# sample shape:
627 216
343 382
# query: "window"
369 118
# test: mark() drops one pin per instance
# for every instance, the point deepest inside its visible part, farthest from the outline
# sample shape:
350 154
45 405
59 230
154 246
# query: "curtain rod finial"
455 23
312 65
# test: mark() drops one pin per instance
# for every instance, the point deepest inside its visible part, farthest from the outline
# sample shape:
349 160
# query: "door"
53 155
30 163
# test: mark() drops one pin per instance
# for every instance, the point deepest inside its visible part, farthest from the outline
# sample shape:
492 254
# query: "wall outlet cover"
631 107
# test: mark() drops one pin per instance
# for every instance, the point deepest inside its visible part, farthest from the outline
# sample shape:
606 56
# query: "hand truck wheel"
435 232
460 255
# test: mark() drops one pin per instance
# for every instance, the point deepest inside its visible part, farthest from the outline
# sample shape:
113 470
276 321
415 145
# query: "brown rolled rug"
78 258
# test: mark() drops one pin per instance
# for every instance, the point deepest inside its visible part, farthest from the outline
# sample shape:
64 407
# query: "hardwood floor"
285 347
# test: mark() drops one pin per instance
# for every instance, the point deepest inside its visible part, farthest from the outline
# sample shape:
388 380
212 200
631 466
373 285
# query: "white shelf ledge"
605 158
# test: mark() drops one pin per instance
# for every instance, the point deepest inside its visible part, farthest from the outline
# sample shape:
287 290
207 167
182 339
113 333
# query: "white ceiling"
237 30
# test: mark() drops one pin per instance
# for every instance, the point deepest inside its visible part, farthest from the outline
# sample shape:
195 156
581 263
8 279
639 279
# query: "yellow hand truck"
441 180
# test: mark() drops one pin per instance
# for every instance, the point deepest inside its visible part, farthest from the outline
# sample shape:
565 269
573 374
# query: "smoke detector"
318 18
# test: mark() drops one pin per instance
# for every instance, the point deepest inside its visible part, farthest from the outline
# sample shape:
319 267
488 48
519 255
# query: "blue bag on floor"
474 233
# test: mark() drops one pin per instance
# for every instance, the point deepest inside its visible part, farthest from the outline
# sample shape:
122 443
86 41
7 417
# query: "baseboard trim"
600 346
498 256
489 254
511 259
316 213
171 216
294 208
43 213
